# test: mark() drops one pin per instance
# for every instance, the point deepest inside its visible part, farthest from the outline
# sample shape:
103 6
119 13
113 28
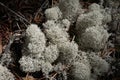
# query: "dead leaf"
29 77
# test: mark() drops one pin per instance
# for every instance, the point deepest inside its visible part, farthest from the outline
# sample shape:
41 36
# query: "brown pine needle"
15 13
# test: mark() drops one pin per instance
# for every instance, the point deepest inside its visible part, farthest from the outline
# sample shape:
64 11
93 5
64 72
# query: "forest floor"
15 15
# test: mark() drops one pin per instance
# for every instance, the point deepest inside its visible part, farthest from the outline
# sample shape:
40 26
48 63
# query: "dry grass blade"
40 9
15 13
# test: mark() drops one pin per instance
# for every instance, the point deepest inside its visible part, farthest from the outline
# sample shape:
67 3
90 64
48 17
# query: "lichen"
5 74
29 64
54 33
54 44
69 9
68 51
94 7
84 21
6 59
82 58
47 68
51 53
90 28
80 71
53 13
66 24
60 37
35 40
35 52
98 64
94 38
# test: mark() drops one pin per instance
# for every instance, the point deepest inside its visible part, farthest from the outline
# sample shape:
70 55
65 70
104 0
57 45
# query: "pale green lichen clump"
80 71
98 64
88 20
92 18
57 35
90 29
53 13
42 49
35 40
69 9
51 53
52 48
68 50
29 64
94 38
5 74
37 53
94 7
